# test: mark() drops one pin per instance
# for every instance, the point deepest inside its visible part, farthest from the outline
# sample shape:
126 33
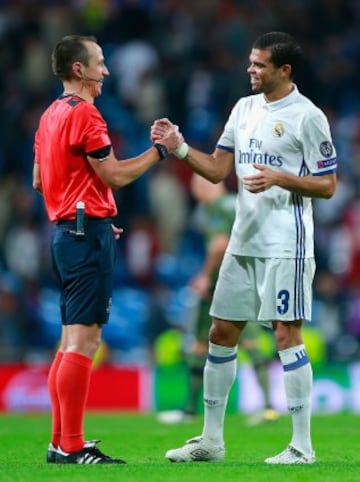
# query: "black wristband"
161 149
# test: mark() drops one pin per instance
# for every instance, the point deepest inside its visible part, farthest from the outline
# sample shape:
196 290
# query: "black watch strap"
161 149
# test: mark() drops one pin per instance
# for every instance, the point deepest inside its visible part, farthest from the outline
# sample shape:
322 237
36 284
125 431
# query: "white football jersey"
290 135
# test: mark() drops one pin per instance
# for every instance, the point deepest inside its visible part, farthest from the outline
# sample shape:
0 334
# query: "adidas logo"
88 459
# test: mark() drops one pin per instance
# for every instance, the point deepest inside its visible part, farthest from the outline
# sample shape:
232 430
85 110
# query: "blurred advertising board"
120 388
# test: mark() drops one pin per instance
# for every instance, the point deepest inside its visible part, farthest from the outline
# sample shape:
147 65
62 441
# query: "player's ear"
287 70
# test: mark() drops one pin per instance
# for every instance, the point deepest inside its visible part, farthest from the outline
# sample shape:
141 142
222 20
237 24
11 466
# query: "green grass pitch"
142 441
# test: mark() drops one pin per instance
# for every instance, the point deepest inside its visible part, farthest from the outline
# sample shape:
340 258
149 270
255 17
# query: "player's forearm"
215 254
308 186
206 165
211 265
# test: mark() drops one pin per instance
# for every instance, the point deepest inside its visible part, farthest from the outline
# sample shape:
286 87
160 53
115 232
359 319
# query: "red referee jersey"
68 130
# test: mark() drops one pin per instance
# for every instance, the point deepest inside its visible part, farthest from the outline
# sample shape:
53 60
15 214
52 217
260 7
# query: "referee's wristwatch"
162 150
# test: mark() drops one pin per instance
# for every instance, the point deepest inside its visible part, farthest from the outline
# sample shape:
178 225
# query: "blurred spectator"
168 201
185 60
13 329
129 63
142 249
22 244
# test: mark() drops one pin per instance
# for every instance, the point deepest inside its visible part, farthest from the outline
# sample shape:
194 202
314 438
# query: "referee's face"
264 76
94 73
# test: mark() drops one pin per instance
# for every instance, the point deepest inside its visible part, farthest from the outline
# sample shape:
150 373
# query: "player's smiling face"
264 76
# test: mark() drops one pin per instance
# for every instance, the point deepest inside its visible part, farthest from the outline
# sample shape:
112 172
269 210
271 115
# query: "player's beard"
260 87
256 86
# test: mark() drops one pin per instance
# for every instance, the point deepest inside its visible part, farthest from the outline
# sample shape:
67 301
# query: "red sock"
55 406
73 386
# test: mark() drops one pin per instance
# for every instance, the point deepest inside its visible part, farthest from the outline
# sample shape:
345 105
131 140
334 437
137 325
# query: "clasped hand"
265 179
167 133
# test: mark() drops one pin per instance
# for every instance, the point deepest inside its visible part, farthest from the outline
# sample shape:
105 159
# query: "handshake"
164 133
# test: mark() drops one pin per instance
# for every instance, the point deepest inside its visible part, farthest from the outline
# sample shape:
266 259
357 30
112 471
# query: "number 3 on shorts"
283 303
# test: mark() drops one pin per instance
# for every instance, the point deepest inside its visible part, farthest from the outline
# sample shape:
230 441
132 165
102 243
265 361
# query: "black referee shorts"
84 266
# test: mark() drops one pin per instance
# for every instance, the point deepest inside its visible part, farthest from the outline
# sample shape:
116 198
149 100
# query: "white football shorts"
263 289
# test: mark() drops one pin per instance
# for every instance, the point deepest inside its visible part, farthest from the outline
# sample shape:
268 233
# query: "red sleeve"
88 128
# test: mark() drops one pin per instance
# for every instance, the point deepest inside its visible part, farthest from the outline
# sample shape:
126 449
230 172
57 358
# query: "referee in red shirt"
75 170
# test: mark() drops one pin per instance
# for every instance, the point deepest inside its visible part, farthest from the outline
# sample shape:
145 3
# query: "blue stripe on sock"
301 361
221 359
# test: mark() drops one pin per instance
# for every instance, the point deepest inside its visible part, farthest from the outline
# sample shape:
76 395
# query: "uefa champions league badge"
326 149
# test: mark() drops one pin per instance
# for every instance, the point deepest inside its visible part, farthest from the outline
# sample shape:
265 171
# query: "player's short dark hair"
70 49
283 47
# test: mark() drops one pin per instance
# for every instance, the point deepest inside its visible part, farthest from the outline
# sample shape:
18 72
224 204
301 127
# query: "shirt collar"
281 103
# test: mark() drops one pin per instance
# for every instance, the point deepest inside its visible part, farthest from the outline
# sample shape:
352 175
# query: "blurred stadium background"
186 60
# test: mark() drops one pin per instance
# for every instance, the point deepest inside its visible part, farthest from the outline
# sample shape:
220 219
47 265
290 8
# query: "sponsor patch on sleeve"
326 163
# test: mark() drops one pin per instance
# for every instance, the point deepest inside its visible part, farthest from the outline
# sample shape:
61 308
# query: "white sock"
219 375
298 389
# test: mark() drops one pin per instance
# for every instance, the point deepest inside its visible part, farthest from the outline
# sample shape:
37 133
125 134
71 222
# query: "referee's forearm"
120 173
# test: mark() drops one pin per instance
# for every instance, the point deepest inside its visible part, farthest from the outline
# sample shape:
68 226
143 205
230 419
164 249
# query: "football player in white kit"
281 145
